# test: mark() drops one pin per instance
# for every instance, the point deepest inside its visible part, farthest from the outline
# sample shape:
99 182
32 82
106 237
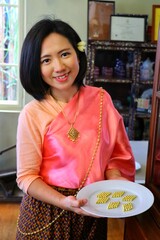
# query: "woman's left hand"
114 174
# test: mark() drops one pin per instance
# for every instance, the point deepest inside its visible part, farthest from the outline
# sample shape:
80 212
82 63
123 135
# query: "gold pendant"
73 134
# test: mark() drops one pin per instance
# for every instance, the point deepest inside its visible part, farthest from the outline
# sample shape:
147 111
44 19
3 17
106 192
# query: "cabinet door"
147 225
153 163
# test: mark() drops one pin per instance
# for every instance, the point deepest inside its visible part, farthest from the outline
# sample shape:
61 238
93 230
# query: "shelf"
113 80
143 114
124 114
146 82
124 46
115 66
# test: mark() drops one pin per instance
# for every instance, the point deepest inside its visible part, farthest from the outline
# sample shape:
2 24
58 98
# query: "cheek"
76 64
45 72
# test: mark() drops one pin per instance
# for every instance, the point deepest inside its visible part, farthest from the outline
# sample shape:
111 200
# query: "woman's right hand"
70 203
43 192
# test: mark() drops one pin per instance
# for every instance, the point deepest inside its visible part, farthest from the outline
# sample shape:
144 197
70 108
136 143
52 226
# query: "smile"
62 78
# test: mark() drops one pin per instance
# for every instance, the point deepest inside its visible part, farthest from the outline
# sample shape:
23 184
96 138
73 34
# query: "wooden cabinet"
116 66
148 223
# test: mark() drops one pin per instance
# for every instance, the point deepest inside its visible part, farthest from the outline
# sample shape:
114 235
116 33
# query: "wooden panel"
141 227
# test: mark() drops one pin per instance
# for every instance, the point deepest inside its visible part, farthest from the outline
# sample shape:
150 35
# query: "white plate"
143 201
138 165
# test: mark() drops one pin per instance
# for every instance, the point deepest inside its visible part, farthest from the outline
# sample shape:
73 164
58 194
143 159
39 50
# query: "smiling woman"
65 137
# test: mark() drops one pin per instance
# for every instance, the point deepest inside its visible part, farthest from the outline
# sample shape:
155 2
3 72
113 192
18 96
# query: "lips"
62 78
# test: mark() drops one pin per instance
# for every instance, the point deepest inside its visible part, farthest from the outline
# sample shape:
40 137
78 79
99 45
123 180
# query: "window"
10 92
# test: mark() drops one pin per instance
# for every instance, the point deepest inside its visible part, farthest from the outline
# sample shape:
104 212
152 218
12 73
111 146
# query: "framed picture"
155 22
99 13
130 28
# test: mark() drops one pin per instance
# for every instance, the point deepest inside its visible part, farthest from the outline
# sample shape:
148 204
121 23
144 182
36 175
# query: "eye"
65 54
45 61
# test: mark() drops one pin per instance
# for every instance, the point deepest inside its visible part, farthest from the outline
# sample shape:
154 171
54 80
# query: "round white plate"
143 201
138 165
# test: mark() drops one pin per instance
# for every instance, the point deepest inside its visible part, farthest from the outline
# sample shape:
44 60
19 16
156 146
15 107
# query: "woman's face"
59 63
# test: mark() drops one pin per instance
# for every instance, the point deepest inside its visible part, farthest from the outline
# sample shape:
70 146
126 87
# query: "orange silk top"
44 150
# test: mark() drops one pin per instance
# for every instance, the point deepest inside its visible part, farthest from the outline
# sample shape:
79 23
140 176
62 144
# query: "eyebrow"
45 56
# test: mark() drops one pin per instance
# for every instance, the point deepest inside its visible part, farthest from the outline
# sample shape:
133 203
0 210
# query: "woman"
69 136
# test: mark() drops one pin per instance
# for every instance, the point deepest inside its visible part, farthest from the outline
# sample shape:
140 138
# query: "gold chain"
41 229
73 134
64 114
85 178
97 142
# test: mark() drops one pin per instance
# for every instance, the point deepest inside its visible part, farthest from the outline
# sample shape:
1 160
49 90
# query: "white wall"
75 13
72 11
135 7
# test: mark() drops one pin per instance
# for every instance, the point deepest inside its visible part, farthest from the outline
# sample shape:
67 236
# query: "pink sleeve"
29 144
122 157
119 153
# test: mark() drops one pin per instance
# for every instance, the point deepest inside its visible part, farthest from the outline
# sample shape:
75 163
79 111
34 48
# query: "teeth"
61 77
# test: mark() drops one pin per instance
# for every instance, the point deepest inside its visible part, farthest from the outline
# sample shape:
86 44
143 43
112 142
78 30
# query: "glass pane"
9 1
9 35
9 44
8 83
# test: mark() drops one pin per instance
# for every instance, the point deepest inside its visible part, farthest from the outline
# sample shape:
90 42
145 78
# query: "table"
140 151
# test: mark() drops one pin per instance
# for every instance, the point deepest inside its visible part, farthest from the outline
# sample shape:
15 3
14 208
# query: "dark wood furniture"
108 67
146 226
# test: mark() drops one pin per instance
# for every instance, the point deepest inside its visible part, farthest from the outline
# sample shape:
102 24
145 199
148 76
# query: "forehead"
56 41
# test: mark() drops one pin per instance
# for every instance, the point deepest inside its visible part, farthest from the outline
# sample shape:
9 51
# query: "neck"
63 96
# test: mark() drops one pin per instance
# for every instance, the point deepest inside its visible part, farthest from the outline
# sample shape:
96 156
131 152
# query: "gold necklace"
73 134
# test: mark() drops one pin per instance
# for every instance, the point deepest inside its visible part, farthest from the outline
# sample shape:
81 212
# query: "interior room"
124 64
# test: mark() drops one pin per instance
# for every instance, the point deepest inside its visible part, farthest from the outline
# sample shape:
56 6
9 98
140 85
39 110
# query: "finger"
82 202
79 203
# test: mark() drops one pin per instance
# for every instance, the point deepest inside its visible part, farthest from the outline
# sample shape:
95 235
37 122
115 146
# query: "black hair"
30 71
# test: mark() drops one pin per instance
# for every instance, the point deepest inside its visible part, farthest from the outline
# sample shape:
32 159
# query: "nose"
58 65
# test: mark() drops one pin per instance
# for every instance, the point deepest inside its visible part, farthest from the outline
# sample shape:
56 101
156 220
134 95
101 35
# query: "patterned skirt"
41 221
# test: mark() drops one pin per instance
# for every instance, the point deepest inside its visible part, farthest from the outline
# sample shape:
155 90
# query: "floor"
115 229
8 221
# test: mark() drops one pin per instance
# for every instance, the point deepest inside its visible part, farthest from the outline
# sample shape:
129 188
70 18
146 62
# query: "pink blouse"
44 150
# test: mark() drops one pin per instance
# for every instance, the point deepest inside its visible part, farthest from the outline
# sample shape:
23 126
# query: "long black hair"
30 72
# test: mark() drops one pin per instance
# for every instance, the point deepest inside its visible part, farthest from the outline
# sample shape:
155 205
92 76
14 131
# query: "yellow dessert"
103 194
102 200
118 194
129 198
113 205
127 207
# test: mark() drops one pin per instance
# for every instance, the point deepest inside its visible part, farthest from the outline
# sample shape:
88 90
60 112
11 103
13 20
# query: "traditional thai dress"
45 151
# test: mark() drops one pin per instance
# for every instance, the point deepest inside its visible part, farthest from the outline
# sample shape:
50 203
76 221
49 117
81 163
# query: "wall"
136 7
8 127
75 13
72 11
